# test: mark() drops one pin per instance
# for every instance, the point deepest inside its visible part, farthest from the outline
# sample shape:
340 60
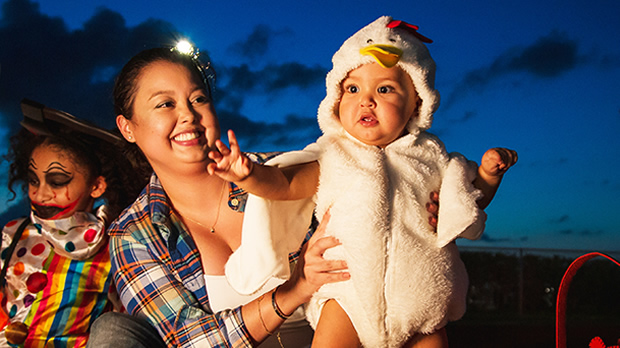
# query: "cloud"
583 233
256 45
486 237
71 70
263 136
550 56
465 117
561 219
272 78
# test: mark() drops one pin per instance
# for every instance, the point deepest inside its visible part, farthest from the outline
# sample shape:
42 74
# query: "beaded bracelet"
260 315
276 308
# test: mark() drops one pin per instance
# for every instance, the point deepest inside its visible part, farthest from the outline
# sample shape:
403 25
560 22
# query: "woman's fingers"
317 269
433 208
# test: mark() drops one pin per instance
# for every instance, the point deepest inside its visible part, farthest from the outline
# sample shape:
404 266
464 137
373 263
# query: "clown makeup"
57 187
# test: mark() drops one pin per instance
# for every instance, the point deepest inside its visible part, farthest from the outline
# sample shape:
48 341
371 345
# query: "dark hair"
98 157
125 85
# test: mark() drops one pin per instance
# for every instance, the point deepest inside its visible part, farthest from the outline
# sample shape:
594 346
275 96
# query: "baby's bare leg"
438 339
334 328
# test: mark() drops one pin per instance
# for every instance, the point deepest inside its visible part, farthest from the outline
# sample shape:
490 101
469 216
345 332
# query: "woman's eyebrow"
158 93
56 166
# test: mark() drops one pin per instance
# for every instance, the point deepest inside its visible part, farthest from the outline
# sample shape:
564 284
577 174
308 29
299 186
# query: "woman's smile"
189 138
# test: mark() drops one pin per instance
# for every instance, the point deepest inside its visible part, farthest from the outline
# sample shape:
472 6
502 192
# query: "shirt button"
234 202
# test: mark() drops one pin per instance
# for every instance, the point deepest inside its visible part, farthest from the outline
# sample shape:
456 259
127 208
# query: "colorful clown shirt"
57 280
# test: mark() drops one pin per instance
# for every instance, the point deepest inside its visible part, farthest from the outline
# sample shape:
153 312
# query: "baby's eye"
352 89
385 89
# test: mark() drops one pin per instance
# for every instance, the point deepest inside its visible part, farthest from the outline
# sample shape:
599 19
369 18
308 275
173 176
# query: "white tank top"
223 296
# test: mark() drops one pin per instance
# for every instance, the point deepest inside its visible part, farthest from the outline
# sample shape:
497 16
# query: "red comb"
413 29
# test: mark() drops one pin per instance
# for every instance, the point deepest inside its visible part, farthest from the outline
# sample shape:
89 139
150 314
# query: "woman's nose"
42 194
188 114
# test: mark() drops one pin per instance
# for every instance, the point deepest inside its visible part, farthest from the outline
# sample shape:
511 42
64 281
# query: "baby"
374 169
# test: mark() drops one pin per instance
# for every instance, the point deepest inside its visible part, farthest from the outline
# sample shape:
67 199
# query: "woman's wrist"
285 299
276 307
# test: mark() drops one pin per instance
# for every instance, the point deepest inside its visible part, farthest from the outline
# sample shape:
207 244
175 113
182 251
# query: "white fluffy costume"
405 277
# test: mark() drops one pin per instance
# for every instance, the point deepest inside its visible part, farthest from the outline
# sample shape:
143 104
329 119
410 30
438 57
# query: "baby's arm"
494 164
290 183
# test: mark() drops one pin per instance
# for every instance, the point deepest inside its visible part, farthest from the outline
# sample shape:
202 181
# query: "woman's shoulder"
130 219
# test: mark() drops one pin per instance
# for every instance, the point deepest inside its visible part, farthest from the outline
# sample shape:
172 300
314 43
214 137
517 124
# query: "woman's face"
57 187
174 121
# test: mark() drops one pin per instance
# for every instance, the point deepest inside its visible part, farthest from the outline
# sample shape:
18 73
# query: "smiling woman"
169 248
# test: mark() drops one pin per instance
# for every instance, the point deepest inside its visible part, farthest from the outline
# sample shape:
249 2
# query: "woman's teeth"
186 136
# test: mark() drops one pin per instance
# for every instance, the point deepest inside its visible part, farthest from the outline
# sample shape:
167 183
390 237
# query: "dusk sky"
541 77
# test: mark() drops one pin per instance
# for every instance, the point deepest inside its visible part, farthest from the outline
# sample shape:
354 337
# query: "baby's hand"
229 164
496 161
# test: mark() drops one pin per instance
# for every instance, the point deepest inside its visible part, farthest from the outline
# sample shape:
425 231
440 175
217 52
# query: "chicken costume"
405 277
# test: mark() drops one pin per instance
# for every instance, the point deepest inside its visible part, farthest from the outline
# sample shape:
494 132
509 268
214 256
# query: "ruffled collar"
77 237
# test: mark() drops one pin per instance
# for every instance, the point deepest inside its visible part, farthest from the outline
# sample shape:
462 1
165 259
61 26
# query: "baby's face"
377 103
57 187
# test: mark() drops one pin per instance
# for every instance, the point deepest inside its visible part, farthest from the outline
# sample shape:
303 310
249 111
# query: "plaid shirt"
159 276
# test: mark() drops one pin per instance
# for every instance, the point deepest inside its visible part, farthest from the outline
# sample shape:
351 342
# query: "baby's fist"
496 161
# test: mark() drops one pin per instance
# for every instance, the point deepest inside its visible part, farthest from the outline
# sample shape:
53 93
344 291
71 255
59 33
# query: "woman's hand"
433 208
318 271
312 270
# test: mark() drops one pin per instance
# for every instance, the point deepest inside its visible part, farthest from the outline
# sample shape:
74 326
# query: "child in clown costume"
55 263
373 170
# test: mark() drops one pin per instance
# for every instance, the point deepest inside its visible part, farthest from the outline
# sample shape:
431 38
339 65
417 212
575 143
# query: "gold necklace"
217 216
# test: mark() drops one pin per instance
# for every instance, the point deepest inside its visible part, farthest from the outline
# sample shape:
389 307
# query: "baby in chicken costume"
374 169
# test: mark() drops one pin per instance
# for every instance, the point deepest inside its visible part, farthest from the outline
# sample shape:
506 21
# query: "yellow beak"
387 56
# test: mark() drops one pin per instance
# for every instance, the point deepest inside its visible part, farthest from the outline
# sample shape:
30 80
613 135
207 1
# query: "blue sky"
537 76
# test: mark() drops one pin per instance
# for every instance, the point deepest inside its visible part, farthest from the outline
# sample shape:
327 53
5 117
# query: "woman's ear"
99 187
124 125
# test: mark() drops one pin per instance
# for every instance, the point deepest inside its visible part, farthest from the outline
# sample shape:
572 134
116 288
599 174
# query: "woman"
169 248
184 226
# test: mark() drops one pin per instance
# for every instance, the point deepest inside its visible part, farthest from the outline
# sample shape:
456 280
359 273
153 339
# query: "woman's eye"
201 100
165 105
59 184
58 180
33 180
